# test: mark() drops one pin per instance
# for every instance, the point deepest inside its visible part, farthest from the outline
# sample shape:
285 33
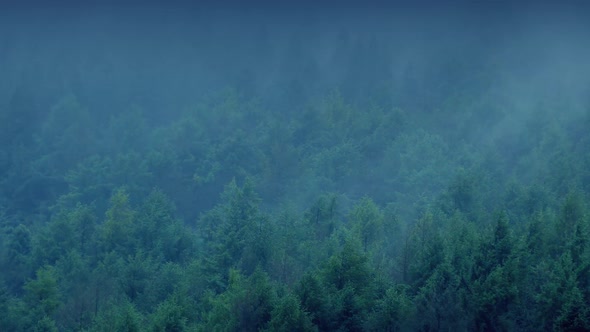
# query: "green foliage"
76 279
572 214
170 316
502 242
236 233
69 229
439 301
348 268
322 215
19 244
393 312
122 317
315 300
136 275
289 316
347 285
45 324
245 305
42 294
16 256
425 250
156 213
341 212
367 222
117 229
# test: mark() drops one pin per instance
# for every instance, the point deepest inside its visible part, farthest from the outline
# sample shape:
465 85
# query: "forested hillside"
192 170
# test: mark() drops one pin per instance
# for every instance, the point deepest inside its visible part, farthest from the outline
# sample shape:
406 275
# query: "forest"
254 169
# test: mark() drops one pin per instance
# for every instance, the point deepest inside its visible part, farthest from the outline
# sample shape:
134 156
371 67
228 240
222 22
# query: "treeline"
344 216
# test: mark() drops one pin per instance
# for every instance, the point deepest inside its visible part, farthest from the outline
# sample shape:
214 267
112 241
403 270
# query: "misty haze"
238 167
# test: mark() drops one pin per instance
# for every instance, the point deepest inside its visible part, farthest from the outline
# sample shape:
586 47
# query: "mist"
479 77
224 147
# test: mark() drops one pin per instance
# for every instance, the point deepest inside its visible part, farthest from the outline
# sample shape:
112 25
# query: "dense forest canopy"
256 168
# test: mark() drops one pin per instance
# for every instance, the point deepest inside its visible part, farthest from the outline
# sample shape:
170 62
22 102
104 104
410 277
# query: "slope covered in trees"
449 193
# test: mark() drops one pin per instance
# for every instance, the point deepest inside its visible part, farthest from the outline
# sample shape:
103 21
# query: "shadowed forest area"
203 168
